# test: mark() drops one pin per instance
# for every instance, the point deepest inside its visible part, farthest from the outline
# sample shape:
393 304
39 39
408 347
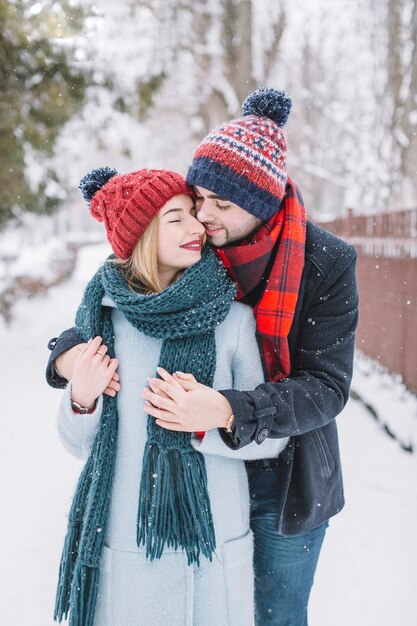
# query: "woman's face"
180 238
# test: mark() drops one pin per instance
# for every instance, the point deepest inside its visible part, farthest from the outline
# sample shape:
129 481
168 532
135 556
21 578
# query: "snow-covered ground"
368 570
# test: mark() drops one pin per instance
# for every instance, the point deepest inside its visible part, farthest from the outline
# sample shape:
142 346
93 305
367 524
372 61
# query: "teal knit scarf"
174 507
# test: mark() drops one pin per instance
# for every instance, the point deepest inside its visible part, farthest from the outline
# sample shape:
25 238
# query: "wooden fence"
386 244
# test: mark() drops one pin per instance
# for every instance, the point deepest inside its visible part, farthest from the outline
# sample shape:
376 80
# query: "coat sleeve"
77 431
318 387
66 340
247 373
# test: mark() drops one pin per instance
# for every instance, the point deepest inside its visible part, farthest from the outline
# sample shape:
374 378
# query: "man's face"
225 222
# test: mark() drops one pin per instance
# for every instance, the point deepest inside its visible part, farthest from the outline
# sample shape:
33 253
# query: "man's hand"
180 403
65 366
93 371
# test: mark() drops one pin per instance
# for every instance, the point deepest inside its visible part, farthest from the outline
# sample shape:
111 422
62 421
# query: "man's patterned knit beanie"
244 160
127 203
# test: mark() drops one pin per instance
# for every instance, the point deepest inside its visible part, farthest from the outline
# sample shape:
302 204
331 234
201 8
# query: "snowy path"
368 571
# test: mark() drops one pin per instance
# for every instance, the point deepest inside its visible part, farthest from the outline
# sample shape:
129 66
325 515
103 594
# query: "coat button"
52 343
262 435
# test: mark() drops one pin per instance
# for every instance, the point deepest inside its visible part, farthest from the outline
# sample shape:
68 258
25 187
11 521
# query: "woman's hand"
65 367
92 373
180 403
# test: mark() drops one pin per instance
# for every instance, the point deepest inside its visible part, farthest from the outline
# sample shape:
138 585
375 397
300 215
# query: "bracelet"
77 408
229 424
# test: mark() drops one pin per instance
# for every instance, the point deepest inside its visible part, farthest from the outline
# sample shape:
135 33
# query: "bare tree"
214 40
401 89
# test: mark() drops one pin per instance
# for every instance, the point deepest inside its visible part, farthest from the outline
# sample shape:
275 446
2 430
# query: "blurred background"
137 83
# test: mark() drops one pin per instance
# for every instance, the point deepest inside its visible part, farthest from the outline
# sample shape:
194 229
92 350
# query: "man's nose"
203 212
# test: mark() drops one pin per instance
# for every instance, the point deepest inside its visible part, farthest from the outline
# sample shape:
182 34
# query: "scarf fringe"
84 595
66 571
70 551
77 583
174 506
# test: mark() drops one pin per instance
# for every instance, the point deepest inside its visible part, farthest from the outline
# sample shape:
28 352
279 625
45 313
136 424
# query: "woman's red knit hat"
127 203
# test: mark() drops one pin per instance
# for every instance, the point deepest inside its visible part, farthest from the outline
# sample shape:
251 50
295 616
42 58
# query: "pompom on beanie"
244 160
127 203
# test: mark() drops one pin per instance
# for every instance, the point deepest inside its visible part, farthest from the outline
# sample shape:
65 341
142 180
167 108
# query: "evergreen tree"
40 90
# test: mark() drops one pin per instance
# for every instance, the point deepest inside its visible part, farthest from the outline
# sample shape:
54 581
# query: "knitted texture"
174 507
95 180
244 160
127 203
283 237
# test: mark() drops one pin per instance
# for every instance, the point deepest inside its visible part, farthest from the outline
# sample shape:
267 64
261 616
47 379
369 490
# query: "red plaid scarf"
250 263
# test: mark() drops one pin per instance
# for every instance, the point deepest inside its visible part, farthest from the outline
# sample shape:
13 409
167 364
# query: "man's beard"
233 239
230 241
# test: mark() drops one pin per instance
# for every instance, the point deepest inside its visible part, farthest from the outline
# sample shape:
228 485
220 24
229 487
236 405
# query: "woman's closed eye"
192 213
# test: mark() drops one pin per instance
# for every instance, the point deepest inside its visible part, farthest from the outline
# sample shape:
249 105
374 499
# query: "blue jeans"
284 566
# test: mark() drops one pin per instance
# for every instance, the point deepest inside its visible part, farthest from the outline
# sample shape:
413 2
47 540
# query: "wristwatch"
77 408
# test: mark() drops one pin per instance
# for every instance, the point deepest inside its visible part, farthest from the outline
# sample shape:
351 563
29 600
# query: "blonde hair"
141 268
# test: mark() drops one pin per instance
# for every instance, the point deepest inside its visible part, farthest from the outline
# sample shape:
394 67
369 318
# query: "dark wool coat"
304 405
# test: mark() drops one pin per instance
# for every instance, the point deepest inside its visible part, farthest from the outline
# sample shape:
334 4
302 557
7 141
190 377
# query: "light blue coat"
168 592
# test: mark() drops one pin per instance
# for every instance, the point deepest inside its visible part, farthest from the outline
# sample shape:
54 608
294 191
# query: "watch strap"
83 410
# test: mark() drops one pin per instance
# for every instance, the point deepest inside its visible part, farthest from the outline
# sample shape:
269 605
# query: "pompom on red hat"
127 203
